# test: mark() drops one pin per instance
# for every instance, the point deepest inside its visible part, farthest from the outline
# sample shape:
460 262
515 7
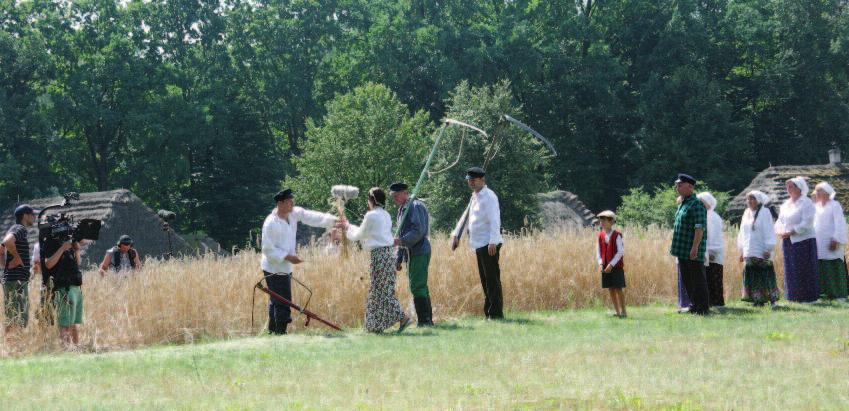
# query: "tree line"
207 107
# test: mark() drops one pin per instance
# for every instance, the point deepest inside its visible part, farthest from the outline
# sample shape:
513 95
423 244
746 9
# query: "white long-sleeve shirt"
797 216
620 249
830 225
756 237
715 238
375 231
279 237
484 222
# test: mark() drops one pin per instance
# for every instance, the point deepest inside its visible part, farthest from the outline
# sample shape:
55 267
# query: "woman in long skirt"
830 227
375 234
756 242
795 226
715 258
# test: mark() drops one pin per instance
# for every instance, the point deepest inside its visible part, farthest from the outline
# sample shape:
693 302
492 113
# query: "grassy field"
793 358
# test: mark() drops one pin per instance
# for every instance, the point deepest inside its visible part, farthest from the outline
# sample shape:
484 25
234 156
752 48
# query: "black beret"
396 187
475 172
685 178
284 195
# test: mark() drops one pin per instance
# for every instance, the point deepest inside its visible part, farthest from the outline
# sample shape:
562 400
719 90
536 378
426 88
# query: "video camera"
64 228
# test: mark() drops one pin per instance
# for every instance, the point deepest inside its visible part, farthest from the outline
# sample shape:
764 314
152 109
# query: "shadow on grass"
517 321
791 308
736 311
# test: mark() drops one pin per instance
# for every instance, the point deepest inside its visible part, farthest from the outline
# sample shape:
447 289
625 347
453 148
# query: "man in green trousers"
414 247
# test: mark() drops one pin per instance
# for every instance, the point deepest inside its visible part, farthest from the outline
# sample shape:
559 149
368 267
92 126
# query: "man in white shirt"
482 220
279 246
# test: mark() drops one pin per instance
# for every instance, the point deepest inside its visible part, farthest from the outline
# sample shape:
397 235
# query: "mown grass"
746 358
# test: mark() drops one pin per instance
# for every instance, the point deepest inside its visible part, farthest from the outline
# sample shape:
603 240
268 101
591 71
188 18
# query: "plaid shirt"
691 215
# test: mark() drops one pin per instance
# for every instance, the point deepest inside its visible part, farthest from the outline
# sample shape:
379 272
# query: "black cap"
284 195
685 178
396 187
125 239
475 172
23 209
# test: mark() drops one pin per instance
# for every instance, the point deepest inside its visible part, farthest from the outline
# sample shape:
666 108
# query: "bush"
643 208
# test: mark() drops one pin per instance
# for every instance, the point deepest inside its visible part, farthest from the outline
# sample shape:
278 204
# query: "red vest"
607 251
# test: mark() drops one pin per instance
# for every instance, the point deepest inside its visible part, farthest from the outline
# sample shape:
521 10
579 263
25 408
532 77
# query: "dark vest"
116 258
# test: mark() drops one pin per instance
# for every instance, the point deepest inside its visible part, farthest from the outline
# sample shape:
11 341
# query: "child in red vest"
610 252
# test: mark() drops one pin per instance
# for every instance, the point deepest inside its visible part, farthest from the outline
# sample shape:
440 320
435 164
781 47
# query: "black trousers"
490 275
695 282
279 314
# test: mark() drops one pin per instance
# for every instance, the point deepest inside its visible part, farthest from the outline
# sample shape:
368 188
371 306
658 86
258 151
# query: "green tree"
643 208
367 139
519 166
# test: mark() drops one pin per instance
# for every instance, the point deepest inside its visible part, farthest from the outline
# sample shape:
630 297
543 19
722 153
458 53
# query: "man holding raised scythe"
279 256
414 248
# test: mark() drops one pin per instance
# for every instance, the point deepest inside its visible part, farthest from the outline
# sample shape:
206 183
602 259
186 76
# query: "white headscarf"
759 196
801 184
708 198
824 186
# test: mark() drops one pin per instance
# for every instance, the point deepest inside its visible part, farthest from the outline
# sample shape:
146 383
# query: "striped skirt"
382 307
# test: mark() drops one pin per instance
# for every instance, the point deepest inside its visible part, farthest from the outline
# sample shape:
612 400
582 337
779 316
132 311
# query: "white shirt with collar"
484 220
279 237
830 225
797 216
375 231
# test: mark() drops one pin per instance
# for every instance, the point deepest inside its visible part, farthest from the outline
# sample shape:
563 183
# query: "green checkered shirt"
690 216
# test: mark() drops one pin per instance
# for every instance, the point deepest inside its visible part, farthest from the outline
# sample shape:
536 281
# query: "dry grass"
182 301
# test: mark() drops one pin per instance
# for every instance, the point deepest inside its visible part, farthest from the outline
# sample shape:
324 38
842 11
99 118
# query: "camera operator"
63 266
16 271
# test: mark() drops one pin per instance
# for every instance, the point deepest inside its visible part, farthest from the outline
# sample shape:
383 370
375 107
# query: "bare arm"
54 259
9 243
104 266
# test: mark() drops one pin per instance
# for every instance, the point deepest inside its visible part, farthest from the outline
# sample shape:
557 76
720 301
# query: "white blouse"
715 238
797 216
756 237
375 231
830 225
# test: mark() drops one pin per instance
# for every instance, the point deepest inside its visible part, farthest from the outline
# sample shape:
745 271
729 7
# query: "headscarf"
759 196
801 184
824 186
708 198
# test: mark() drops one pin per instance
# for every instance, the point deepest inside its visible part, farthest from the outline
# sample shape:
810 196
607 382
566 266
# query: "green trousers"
417 274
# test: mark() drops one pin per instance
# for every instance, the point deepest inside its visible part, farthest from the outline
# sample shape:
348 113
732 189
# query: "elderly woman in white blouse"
831 232
375 235
795 226
756 242
715 258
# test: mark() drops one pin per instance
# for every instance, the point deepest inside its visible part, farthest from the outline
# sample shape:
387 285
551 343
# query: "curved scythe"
533 132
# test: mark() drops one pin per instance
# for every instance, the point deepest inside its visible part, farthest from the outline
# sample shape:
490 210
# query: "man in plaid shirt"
689 243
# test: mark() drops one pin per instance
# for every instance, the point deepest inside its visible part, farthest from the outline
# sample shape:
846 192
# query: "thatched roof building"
772 182
121 213
559 208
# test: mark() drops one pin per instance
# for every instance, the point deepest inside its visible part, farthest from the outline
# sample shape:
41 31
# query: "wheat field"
203 298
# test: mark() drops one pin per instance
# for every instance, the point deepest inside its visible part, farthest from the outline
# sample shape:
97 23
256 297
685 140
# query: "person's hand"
694 252
741 258
492 249
454 243
76 245
67 245
294 259
398 267
833 246
601 267
341 223
398 242
767 254
609 269
16 262
788 234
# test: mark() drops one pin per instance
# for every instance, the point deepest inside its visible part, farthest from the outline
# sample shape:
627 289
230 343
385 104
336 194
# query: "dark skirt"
683 298
801 275
613 279
716 292
759 284
833 282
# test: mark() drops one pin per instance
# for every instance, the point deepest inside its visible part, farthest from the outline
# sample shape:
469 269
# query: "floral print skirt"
382 307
